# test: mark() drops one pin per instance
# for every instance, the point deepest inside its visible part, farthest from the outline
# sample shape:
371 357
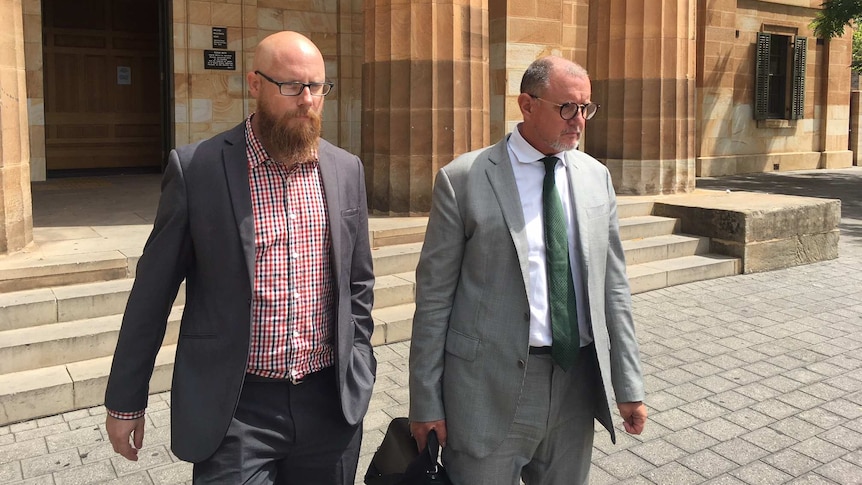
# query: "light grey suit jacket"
471 327
204 233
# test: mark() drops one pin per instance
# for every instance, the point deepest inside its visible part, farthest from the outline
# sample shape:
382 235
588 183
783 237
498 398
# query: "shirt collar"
523 151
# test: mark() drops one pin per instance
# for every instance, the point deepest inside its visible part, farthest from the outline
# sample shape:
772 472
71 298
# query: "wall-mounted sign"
222 60
219 37
124 75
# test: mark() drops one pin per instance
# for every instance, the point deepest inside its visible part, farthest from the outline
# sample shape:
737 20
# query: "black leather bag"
398 462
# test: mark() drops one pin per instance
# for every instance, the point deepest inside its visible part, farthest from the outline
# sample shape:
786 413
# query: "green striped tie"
561 289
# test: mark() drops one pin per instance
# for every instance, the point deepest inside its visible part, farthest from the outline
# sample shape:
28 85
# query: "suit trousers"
286 434
550 441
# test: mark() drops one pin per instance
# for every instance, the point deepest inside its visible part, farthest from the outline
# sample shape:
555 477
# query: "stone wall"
730 140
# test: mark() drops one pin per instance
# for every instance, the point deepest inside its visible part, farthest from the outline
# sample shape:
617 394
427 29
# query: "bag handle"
433 449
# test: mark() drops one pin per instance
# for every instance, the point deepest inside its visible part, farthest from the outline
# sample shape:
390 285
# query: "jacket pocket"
461 345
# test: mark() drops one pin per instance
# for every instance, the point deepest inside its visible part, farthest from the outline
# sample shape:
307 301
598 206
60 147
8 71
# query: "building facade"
688 87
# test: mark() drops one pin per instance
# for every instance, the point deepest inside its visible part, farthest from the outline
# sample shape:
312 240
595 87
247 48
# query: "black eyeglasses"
294 88
570 110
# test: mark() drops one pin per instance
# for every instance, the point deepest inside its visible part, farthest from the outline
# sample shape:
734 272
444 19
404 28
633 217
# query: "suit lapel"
502 180
330 182
577 189
236 171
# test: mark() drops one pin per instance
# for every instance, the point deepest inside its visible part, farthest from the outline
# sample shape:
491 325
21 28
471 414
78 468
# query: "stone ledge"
766 231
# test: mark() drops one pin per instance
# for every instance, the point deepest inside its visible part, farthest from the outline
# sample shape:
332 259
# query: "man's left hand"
634 416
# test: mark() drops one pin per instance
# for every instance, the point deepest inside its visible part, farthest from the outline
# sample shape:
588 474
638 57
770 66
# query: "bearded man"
268 226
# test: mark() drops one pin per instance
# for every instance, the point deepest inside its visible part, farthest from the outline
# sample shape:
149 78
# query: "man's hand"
420 432
634 416
119 432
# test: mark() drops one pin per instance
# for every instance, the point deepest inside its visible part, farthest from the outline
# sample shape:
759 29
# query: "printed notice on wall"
124 75
222 60
219 37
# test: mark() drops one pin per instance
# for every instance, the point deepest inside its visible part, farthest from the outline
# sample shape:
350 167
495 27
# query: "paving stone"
769 439
732 400
796 428
844 407
792 462
689 392
72 439
34 433
812 479
673 474
22 450
800 400
749 418
739 451
662 401
151 457
623 464
43 480
841 471
820 450
101 471
844 437
761 473
720 429
691 440
140 478
781 383
47 464
775 408
704 409
821 418
658 452
171 474
675 419
708 463
10 472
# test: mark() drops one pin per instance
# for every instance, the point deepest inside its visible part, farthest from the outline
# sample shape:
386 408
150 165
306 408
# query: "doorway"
105 71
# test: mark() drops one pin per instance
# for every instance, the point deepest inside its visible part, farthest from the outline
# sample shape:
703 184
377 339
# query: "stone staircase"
59 319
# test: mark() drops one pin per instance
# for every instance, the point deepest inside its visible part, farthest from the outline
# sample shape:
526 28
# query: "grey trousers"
550 441
286 434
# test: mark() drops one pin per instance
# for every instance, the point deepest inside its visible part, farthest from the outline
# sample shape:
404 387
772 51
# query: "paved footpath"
751 379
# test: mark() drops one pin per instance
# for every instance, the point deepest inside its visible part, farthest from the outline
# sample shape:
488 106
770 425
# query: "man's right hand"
121 430
420 431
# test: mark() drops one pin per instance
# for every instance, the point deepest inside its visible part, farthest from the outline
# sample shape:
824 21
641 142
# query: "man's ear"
525 102
253 81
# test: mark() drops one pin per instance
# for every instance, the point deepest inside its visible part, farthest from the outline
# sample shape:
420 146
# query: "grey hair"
537 77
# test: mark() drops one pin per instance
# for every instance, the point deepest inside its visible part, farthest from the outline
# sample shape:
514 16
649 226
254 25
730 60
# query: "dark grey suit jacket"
204 233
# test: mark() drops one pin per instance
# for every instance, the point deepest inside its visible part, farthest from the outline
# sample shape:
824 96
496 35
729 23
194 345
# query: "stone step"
61 343
396 259
393 324
633 206
660 274
640 227
668 246
61 388
23 273
27 271
394 289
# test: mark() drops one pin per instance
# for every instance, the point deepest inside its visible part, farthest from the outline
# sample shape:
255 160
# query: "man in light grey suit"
484 367
268 225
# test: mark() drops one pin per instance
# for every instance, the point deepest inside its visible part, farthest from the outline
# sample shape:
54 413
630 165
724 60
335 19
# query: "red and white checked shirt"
293 296
292 299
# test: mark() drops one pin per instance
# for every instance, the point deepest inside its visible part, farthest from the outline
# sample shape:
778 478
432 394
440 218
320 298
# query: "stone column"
16 211
425 96
834 136
641 59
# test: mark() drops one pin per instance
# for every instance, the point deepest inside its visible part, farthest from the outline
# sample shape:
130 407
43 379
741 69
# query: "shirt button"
296 296
295 255
296 333
292 215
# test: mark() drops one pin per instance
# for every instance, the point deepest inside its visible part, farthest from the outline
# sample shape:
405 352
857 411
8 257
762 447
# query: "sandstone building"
688 87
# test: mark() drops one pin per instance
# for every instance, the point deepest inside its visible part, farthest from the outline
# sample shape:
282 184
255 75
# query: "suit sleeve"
625 356
437 276
161 269
362 275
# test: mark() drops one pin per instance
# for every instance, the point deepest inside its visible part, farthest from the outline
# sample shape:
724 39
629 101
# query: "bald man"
267 223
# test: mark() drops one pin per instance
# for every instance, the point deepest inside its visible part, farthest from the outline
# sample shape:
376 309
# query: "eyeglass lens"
570 110
295 88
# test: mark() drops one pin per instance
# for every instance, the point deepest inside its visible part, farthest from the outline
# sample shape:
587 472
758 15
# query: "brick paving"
751 379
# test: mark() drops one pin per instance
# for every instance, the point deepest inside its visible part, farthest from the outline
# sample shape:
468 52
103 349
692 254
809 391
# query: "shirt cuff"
122 415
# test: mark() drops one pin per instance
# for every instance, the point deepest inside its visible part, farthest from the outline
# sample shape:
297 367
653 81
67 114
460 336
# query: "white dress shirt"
529 176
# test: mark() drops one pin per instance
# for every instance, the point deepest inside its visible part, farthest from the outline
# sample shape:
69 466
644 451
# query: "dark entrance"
106 71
